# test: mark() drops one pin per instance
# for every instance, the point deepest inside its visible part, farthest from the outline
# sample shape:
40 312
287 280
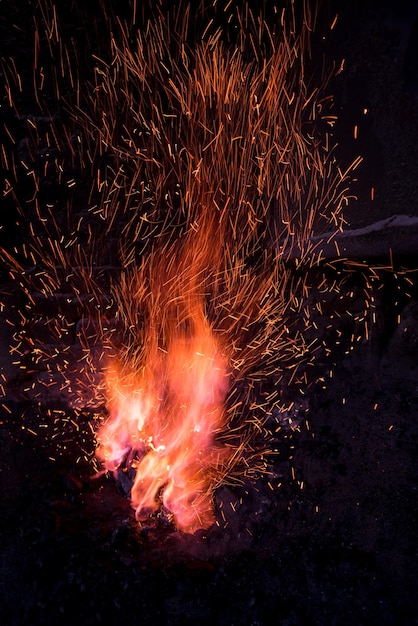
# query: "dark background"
336 545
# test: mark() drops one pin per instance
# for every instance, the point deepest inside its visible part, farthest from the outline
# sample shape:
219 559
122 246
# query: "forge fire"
170 290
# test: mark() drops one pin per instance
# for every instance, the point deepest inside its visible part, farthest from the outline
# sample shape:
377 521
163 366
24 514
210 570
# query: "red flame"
164 420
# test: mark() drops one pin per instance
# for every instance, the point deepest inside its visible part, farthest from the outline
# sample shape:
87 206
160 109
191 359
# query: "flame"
167 408
169 416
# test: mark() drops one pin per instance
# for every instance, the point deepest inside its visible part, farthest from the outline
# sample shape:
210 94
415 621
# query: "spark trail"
204 157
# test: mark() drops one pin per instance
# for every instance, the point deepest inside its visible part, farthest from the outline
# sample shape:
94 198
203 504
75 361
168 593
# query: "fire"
181 267
163 422
166 395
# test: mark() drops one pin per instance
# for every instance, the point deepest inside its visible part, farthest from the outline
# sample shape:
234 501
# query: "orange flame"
164 421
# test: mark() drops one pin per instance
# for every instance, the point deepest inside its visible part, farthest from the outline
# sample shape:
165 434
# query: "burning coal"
204 160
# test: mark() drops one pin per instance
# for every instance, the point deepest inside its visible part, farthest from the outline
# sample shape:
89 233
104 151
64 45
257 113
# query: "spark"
203 175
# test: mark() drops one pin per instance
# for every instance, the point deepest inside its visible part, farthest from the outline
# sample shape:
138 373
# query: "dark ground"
336 545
